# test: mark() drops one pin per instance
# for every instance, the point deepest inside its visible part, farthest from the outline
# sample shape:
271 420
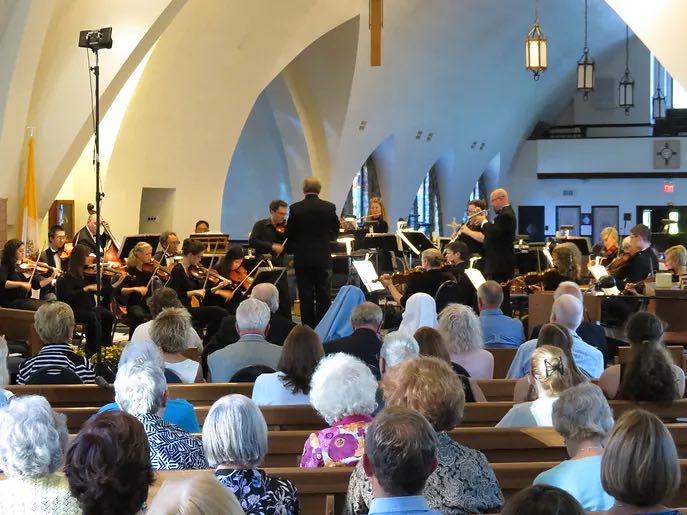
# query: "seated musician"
427 281
456 254
609 248
231 267
137 284
376 216
567 260
643 262
169 243
52 257
676 261
202 227
78 290
15 287
86 235
193 290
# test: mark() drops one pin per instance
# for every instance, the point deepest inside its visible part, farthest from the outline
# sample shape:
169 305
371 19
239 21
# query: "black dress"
137 310
17 298
211 316
69 289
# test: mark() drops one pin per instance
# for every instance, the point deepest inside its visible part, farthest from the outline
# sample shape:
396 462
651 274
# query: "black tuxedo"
312 225
280 327
83 237
640 266
48 256
364 344
498 245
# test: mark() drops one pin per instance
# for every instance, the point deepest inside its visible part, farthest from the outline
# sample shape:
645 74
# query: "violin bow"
33 272
159 263
212 260
262 261
283 243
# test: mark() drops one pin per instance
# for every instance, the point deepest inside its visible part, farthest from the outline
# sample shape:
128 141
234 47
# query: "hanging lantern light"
658 103
585 66
626 87
536 59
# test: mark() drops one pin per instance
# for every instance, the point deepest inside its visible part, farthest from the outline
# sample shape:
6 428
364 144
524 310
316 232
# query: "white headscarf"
421 311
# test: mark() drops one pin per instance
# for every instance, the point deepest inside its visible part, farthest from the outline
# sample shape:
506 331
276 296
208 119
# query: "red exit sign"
669 187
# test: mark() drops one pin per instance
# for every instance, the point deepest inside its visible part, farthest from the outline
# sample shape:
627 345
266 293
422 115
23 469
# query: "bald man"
498 238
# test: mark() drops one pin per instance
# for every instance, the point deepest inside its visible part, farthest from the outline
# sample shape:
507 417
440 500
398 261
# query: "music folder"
368 275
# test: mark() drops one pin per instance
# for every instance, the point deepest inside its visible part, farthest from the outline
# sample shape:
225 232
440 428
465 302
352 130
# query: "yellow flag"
27 227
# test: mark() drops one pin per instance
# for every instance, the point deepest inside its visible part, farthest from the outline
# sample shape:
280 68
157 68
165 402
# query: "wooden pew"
497 389
17 324
65 396
502 360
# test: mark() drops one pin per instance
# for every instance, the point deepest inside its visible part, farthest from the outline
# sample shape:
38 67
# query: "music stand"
581 242
266 274
215 243
387 245
130 242
415 241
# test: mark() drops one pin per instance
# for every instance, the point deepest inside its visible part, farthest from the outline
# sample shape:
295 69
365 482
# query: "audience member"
582 416
290 385
498 329
54 323
108 465
364 343
279 328
252 324
141 390
179 412
5 395
160 299
169 331
420 311
33 439
200 494
397 348
542 500
567 310
640 467
463 482
342 391
400 454
432 344
590 332
555 335
551 376
235 443
650 375
336 322
462 333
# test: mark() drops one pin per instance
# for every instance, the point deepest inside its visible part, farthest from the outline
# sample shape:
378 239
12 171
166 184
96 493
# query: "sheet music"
597 271
547 254
368 275
475 276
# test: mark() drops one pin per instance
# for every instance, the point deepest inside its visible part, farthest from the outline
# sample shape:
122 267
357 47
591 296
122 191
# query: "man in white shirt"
567 311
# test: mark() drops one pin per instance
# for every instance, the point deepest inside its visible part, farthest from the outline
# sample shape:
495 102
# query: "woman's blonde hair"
679 253
551 370
569 260
133 258
557 335
197 495
640 464
378 200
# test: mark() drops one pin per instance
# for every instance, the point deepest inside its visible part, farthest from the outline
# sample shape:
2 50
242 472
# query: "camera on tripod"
96 39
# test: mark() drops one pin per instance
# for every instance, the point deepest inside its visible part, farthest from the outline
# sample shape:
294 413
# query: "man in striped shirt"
54 323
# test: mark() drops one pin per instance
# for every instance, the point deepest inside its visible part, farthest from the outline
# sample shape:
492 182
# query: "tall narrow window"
426 212
364 187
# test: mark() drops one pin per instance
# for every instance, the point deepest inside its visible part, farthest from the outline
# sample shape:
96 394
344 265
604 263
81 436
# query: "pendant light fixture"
585 66
658 103
626 87
536 58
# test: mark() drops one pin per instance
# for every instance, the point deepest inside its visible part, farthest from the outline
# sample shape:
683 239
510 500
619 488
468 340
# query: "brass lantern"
626 86
585 66
536 57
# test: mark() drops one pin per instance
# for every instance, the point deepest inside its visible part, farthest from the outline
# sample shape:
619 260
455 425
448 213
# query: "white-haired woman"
235 443
169 331
582 416
343 391
462 333
33 440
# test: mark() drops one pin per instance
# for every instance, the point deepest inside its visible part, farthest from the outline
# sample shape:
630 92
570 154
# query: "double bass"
111 252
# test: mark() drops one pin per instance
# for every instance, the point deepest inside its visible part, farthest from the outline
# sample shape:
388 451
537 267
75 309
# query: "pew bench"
17 324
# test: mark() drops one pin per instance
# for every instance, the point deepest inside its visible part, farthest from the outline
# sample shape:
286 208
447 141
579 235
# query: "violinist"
55 256
86 235
644 261
190 287
231 267
15 288
428 281
137 284
376 216
456 254
609 248
267 237
169 255
78 290
471 233
676 261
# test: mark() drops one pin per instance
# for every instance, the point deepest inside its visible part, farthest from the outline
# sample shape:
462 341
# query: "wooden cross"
376 24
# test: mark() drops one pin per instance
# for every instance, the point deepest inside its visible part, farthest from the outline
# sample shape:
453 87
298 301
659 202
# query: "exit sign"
669 187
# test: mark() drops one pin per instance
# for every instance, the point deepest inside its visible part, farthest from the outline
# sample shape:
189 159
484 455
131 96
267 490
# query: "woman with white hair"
141 391
582 416
179 412
420 311
33 440
343 391
462 332
168 331
235 443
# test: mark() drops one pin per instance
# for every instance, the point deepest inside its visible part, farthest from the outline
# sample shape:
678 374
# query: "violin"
615 266
66 251
280 228
520 283
201 273
27 266
105 270
240 278
156 268
403 277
